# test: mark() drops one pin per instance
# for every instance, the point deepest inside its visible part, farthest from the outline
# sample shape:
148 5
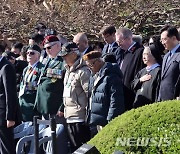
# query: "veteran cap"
92 55
67 48
49 40
34 47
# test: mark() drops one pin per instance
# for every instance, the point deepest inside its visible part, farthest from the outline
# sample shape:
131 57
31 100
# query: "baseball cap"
68 48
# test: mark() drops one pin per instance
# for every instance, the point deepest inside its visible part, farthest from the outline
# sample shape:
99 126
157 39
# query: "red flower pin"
34 72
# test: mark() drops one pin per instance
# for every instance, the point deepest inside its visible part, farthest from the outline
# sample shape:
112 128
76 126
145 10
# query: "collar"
150 68
174 49
83 53
34 65
111 45
1 58
130 48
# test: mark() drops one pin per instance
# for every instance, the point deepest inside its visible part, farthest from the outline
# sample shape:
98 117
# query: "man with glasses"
111 47
170 75
28 85
106 98
131 63
50 85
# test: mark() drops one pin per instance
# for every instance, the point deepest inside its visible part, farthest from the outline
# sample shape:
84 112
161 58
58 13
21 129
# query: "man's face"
42 31
93 65
121 41
70 58
32 56
31 42
108 38
168 42
52 49
15 51
80 44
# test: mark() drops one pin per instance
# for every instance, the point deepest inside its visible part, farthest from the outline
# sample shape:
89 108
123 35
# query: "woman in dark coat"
146 82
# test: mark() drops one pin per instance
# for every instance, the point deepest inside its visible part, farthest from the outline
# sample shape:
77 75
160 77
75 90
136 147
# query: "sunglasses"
48 48
30 53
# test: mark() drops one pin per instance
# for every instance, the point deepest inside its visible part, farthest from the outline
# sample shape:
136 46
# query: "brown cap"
92 55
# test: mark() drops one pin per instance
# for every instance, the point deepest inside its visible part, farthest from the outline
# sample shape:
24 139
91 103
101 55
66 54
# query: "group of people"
84 86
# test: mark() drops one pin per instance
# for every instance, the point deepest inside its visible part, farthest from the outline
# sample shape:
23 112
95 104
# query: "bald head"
81 41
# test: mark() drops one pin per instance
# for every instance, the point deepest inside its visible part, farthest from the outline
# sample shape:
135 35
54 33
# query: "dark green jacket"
28 89
49 96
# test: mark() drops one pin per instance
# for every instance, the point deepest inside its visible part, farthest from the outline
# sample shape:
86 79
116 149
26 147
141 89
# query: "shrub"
149 129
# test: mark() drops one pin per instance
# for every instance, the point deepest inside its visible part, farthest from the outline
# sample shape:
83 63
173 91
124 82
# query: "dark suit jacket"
115 50
170 76
8 93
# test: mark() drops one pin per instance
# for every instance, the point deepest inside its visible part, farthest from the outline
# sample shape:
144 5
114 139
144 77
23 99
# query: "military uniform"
28 89
50 87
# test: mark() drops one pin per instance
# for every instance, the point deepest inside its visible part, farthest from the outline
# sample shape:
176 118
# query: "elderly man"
106 99
75 95
81 41
170 76
131 64
28 85
50 85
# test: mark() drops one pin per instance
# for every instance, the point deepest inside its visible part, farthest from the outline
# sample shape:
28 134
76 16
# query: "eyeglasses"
48 48
31 53
163 40
91 64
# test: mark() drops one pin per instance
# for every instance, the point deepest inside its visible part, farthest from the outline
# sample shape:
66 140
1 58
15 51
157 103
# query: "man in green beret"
50 85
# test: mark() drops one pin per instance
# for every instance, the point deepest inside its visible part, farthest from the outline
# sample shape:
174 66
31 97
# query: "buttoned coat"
49 96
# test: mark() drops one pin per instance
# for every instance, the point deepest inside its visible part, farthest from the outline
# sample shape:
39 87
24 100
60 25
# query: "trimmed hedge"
150 129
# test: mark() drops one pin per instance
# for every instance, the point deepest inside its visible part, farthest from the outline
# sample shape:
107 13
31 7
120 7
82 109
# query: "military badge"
53 80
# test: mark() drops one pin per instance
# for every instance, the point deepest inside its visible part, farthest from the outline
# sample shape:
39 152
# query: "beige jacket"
76 90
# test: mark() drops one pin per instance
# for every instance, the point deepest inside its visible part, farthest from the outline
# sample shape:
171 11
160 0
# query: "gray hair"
125 32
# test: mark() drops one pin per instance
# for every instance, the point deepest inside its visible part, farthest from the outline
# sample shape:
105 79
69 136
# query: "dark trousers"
7 145
79 133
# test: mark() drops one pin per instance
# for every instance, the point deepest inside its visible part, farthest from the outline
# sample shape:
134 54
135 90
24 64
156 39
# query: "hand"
10 123
145 78
60 114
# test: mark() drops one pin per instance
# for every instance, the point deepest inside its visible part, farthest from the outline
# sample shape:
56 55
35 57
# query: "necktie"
168 58
109 48
29 70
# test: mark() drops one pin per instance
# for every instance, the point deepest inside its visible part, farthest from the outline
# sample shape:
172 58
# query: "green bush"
150 129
